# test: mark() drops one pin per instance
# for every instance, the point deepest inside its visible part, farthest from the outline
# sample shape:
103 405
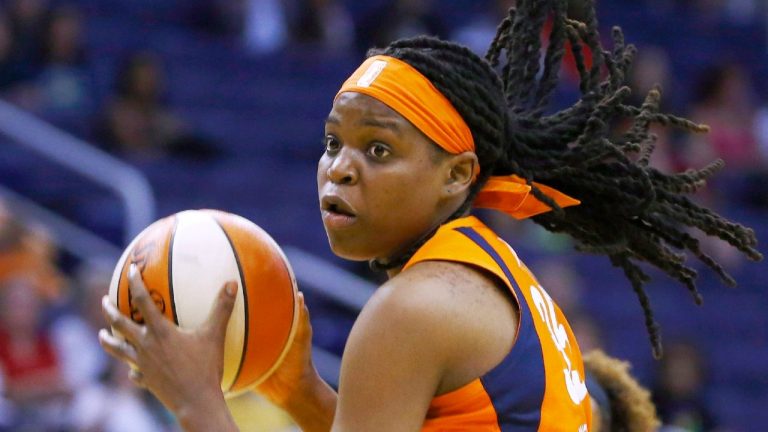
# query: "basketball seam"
170 270
245 303
122 270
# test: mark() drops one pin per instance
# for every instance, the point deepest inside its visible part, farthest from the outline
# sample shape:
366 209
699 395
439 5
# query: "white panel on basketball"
202 261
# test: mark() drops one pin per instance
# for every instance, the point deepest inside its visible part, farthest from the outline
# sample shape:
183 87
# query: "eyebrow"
384 124
370 122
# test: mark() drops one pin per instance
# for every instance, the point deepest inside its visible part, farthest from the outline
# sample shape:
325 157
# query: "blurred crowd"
44 68
53 374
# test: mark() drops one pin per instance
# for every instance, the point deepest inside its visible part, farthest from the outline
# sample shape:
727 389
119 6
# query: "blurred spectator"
265 27
27 250
480 30
63 48
261 25
761 130
115 405
28 21
679 389
732 11
11 70
34 382
652 67
725 100
325 23
64 87
139 122
398 19
74 331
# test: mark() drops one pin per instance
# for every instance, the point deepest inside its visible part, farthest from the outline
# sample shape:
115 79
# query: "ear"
462 170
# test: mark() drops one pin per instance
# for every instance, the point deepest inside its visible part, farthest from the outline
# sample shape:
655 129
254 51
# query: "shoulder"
430 291
457 318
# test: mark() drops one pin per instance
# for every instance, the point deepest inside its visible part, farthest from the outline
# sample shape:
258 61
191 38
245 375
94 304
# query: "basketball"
186 258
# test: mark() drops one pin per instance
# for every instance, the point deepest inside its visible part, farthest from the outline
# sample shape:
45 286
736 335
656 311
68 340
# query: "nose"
342 169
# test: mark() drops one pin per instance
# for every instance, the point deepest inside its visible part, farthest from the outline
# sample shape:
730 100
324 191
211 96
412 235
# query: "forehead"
358 104
362 111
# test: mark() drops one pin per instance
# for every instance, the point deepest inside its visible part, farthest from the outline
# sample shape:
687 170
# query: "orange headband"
404 89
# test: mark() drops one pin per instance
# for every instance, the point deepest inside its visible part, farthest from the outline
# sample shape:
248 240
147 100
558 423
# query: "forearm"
313 409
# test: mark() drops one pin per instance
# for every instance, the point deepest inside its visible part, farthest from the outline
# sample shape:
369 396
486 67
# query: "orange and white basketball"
184 261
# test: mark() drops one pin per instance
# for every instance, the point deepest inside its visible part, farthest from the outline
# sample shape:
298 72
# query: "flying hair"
630 212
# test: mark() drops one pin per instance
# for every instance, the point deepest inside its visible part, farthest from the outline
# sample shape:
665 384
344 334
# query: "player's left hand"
183 368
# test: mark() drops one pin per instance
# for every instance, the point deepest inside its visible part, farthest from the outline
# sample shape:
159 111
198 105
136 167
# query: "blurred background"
114 113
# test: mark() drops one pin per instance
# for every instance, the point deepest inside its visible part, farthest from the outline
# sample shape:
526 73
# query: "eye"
378 151
331 144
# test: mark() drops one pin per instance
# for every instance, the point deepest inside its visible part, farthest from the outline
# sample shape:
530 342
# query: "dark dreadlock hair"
629 211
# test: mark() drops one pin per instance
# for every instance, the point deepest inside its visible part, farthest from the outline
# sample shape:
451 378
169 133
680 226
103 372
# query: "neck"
394 264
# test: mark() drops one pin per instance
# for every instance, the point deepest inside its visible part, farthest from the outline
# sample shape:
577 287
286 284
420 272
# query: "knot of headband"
408 92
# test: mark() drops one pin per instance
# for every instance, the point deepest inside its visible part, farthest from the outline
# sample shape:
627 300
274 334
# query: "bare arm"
191 390
405 344
161 352
417 337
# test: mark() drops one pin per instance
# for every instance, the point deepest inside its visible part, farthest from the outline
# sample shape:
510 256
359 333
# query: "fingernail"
231 288
131 270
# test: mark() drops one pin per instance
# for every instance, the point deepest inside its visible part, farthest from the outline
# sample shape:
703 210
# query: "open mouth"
337 213
336 205
337 209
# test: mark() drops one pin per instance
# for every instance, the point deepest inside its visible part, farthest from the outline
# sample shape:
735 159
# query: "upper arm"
428 331
393 362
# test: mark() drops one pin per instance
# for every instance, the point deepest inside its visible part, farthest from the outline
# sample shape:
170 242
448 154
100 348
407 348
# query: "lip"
336 212
336 204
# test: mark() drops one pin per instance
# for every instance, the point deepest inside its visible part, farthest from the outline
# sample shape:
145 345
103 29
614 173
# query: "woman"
461 336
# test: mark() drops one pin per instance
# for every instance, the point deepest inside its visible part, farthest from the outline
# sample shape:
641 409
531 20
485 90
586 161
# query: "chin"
348 252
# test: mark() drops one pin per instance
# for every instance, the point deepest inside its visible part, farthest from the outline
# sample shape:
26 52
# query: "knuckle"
139 295
119 322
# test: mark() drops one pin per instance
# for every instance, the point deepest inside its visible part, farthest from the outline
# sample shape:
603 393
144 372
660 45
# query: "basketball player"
461 336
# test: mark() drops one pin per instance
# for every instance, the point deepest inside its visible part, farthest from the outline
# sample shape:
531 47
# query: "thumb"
222 310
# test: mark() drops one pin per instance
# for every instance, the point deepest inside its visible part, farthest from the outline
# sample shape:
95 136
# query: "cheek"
412 198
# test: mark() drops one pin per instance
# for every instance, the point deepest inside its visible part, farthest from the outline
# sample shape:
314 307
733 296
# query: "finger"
305 328
129 329
141 298
222 309
117 347
302 303
136 377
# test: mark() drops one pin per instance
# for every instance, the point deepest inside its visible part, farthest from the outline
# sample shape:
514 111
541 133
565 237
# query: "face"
381 182
65 36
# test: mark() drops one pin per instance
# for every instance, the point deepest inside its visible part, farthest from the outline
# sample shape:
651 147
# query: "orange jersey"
539 385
